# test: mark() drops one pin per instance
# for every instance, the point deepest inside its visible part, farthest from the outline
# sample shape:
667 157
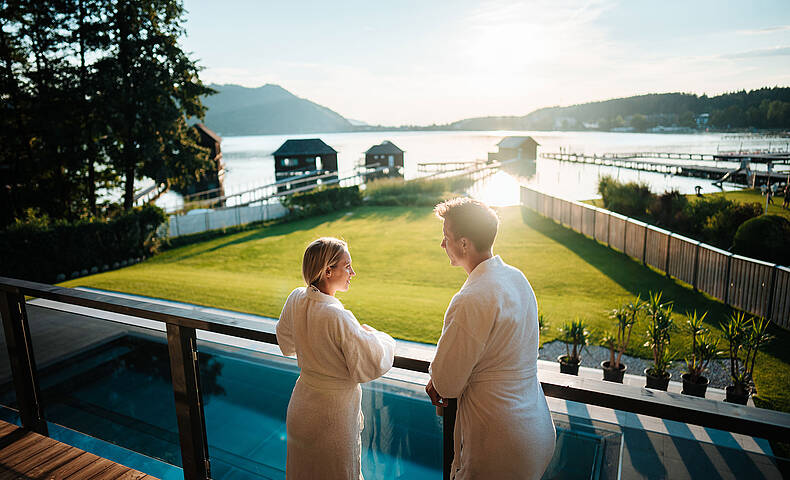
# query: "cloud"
765 30
760 52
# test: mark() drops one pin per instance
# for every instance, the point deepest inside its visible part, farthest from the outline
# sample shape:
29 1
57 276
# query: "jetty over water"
704 166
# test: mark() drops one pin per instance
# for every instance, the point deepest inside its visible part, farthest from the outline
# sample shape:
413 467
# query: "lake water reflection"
249 161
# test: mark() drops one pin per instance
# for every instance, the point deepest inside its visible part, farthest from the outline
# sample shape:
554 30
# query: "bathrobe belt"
494 375
320 381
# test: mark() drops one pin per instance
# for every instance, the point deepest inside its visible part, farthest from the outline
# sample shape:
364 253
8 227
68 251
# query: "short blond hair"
319 255
470 219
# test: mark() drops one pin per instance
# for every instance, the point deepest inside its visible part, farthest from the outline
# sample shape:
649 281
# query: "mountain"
270 109
764 108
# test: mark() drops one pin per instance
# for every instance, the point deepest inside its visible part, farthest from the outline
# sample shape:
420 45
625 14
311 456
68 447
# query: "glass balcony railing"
175 392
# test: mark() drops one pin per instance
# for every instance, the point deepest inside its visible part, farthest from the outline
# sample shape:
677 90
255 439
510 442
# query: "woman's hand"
436 399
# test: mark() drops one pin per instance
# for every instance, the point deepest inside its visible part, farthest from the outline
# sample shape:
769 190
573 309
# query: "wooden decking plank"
23 468
132 475
79 463
112 473
19 439
30 456
26 448
53 464
6 428
95 468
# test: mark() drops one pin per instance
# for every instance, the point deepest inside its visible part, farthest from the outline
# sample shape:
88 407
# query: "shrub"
766 237
720 228
322 200
38 250
631 199
418 192
669 210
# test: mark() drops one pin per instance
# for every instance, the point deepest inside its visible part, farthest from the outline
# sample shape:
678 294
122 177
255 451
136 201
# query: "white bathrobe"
335 355
487 358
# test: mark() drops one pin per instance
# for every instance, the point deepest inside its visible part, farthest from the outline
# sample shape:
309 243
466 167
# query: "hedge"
42 252
322 200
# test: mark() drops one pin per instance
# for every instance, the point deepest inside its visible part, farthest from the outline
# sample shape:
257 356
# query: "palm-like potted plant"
658 335
575 335
704 348
625 317
745 336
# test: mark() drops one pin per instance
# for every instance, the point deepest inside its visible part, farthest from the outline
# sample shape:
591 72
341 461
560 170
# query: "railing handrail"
751 421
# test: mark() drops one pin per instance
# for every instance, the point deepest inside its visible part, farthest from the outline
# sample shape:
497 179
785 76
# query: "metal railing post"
448 435
185 373
23 363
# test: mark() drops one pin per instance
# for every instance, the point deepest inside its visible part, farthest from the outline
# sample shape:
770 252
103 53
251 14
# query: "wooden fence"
756 287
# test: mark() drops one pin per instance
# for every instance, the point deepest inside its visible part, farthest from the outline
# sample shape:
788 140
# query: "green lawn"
404 281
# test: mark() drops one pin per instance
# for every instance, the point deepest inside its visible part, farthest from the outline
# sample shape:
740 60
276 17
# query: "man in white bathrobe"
487 356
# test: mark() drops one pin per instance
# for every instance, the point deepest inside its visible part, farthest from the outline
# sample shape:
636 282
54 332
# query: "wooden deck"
28 455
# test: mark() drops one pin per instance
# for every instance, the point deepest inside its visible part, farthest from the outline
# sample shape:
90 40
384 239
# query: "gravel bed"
718 370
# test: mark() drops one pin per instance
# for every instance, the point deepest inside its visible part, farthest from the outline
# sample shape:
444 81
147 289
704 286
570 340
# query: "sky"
422 62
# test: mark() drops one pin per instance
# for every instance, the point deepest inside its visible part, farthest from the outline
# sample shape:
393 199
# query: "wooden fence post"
666 262
769 310
727 282
696 267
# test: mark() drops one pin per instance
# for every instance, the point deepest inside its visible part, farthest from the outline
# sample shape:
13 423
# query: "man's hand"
436 399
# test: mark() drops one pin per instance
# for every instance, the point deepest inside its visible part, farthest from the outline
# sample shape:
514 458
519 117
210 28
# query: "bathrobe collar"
484 267
313 293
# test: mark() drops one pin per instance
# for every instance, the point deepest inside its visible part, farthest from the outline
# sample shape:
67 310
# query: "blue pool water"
120 393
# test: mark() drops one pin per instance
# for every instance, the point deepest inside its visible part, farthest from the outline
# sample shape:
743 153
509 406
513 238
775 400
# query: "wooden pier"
634 162
28 455
446 167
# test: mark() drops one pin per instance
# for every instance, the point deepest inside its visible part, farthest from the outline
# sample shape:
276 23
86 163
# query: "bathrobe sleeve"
457 352
285 338
368 355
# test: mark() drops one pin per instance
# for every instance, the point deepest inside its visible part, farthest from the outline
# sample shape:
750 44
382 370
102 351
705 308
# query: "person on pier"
335 353
487 356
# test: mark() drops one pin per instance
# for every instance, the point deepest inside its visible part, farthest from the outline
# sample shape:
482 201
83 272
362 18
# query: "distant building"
302 157
522 148
702 120
385 154
211 182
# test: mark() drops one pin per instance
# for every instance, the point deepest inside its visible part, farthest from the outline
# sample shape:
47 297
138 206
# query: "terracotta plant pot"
739 397
570 368
696 389
613 374
657 383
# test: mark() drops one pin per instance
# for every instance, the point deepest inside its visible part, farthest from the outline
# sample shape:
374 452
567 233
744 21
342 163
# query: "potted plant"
625 317
575 334
703 350
658 329
745 336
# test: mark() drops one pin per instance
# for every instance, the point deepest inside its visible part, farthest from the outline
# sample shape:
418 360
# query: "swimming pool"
120 392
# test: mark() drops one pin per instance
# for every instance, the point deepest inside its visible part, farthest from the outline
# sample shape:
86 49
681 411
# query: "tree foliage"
94 96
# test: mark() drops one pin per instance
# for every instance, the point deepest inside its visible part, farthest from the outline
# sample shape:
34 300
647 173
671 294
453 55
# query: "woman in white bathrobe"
335 354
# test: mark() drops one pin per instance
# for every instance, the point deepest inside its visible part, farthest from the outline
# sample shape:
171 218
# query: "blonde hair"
319 255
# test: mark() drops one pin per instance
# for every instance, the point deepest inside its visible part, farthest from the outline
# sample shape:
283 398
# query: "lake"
249 162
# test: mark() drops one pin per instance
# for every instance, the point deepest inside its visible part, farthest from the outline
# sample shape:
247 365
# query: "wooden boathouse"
304 156
385 154
521 148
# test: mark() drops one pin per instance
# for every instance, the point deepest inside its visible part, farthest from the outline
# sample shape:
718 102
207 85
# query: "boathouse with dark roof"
522 148
303 156
385 154
210 184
